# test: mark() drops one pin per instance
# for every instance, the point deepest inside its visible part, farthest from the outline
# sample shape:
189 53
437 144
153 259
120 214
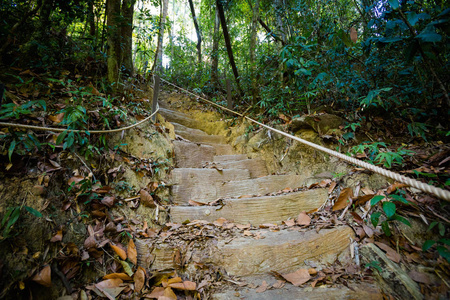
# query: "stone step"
178 127
192 155
192 183
222 149
207 191
256 166
180 118
282 251
256 210
197 135
229 158
366 291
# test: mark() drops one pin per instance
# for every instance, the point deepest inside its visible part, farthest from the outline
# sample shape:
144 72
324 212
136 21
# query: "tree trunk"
113 61
157 65
197 30
91 18
252 50
127 36
215 50
226 36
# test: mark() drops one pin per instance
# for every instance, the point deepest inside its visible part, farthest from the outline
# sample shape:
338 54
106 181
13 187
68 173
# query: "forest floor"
73 225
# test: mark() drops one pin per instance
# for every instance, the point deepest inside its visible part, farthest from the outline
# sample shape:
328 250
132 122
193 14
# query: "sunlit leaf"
389 208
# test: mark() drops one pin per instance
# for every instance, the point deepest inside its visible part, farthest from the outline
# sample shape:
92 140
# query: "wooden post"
229 99
155 96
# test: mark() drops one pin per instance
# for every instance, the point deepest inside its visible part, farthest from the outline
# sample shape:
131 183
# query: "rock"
392 279
322 124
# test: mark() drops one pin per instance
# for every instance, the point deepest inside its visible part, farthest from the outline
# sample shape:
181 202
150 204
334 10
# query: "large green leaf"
394 4
389 208
429 35
428 244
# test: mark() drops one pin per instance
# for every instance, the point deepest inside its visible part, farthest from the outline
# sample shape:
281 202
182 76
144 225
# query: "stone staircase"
207 170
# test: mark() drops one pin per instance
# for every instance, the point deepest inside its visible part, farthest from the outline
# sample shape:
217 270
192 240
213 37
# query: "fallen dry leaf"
368 230
57 237
184 286
119 251
289 223
139 279
108 201
343 199
367 191
361 200
420 277
44 277
196 203
332 186
392 188
297 278
132 252
279 284
262 288
303 219
174 280
147 199
110 288
56 118
168 295
122 276
390 253
219 222
156 293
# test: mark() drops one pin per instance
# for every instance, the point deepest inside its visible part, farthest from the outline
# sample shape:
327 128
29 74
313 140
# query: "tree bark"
91 18
127 36
226 36
157 65
113 61
197 30
252 50
215 50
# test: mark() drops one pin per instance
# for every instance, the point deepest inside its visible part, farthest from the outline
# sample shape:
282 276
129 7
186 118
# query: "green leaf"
374 264
386 229
375 218
444 241
443 252
401 219
61 137
376 199
12 146
427 245
399 198
429 35
12 220
394 4
432 225
33 211
389 208
441 228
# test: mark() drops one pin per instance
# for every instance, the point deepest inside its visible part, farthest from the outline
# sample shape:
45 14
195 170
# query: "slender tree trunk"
113 61
197 30
252 50
226 36
157 65
127 35
91 18
215 49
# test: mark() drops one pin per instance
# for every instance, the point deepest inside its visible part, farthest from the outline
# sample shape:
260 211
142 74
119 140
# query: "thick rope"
78 130
438 192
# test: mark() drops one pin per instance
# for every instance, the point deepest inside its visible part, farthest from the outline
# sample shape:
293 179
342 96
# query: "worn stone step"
180 118
187 189
229 158
192 155
256 166
256 210
282 251
178 127
222 149
192 183
366 291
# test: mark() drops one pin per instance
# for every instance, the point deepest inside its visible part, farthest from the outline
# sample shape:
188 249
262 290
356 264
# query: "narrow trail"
213 185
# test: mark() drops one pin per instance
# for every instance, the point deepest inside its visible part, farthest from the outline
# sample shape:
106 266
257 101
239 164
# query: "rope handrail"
42 128
438 192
